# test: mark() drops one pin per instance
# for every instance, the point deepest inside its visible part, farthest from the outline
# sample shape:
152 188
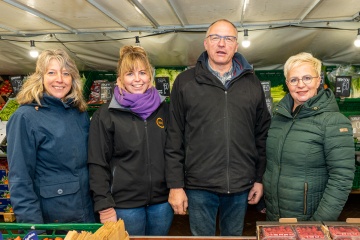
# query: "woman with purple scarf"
126 150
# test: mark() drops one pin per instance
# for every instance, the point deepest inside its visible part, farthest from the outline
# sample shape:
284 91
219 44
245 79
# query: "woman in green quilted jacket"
310 149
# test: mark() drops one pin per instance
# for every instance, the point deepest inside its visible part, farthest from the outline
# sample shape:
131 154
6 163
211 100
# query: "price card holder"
106 90
355 122
267 88
16 83
162 84
269 104
342 86
322 80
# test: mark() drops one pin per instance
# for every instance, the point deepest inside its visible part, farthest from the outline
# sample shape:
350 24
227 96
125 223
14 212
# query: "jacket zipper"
148 160
305 197
227 143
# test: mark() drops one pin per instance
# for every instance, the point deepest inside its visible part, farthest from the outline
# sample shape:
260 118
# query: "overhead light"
33 52
245 42
357 41
137 41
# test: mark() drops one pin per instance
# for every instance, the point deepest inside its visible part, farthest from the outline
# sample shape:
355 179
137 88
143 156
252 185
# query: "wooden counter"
355 191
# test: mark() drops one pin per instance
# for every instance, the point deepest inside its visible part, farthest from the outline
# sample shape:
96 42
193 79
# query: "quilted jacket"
310 160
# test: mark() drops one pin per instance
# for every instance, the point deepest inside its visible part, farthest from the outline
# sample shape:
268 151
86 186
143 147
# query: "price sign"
267 87
162 84
342 86
269 104
355 122
106 90
16 83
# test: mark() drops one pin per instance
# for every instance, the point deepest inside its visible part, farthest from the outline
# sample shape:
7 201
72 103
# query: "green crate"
349 105
10 230
91 76
356 182
357 146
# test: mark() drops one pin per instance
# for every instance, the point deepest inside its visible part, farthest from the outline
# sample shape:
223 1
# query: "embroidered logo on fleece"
160 122
343 130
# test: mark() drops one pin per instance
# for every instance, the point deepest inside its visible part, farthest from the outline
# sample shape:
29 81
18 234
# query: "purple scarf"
142 104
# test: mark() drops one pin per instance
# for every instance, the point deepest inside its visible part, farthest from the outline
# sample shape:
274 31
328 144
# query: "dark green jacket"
310 160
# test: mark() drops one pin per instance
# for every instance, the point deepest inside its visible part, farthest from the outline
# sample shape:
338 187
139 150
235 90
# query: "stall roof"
172 31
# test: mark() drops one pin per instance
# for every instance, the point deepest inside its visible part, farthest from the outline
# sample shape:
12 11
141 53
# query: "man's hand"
255 193
178 200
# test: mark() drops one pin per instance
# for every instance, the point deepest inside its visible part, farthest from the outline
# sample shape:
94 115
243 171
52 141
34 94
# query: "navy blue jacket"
47 155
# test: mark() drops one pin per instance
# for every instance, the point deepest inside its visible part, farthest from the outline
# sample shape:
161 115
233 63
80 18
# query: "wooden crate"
8 217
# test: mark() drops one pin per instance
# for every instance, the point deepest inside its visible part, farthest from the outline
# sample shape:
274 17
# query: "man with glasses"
215 150
310 149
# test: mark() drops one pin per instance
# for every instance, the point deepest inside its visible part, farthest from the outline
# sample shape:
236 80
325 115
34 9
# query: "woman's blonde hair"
33 87
301 58
131 57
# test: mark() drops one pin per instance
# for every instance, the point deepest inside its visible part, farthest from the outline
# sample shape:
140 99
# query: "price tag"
267 88
16 83
162 84
106 90
342 86
269 104
355 122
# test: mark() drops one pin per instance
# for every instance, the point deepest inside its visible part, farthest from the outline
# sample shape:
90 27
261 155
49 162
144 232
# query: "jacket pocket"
305 197
62 202
60 189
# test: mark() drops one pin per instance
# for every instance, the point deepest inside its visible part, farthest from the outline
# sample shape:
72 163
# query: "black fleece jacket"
126 157
216 134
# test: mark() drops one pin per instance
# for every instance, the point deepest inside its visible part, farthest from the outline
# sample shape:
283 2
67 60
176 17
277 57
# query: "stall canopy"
172 31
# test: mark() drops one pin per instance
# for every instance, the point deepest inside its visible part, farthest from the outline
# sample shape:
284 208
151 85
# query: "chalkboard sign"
269 104
267 87
16 83
355 122
106 90
162 84
342 86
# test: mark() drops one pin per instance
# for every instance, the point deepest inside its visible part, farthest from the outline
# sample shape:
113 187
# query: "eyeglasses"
214 38
305 79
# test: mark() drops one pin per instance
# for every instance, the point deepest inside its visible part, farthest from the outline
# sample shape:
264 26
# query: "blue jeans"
152 220
203 209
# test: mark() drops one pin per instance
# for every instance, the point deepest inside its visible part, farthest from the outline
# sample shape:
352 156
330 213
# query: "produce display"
346 70
278 232
5 88
309 232
277 93
344 232
171 73
65 231
9 108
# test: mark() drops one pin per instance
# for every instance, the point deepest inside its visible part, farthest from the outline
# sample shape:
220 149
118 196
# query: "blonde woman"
310 150
47 145
126 150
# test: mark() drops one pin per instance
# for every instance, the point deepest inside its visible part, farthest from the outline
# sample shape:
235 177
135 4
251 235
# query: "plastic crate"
356 182
91 76
11 230
349 105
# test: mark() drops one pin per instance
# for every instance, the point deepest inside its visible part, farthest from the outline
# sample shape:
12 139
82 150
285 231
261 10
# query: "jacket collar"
324 101
47 101
240 65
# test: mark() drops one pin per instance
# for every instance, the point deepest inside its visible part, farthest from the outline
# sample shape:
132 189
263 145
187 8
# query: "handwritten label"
16 83
342 86
162 84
